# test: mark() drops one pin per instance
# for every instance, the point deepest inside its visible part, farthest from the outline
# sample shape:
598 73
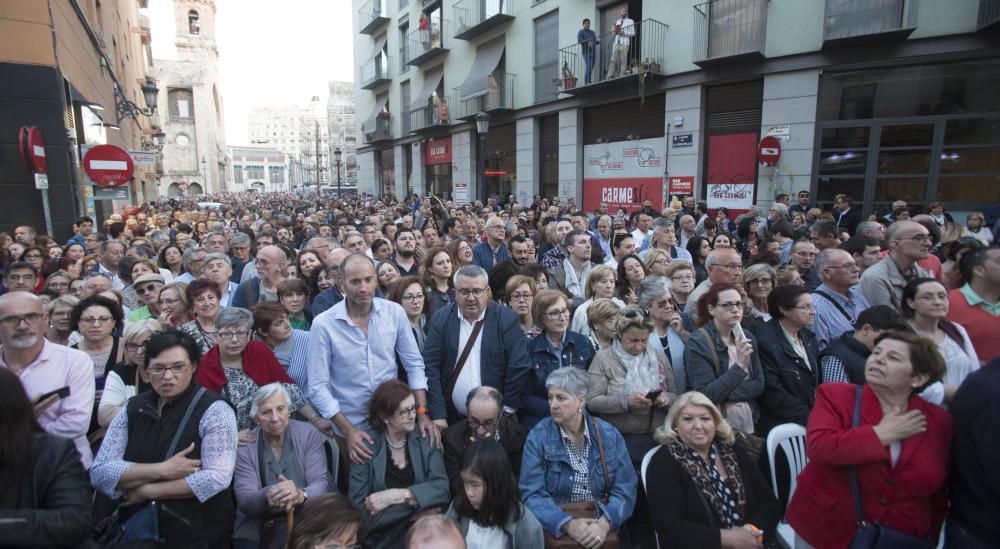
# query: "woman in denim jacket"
562 464
551 312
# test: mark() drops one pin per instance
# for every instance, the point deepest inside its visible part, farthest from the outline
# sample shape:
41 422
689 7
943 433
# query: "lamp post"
482 128
337 156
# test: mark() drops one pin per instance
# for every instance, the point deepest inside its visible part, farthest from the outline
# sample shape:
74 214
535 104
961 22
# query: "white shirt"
471 376
628 30
639 236
485 537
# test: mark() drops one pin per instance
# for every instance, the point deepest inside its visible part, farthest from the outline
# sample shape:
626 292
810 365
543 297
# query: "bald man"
724 266
271 265
883 282
435 532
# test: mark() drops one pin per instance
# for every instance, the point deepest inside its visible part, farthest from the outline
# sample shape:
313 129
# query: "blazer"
789 382
909 497
54 506
732 383
431 486
503 359
251 495
680 512
456 441
522 533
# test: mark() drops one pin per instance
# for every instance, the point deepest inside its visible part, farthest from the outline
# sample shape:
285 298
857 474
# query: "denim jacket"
547 476
576 352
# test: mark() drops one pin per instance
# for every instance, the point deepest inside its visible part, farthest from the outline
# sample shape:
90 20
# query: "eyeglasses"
148 289
135 346
412 298
466 292
407 412
33 256
848 266
521 296
96 319
58 285
661 261
556 315
14 321
806 307
682 278
176 369
488 425
232 336
730 306
763 281
60 314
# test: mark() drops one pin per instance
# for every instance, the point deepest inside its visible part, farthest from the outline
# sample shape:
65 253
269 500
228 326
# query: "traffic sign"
108 165
769 151
32 149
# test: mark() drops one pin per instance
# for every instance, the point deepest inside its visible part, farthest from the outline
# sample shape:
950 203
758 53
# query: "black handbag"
869 534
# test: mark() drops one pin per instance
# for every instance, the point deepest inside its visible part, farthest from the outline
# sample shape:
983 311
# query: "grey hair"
214 233
189 254
470 271
108 243
662 222
782 209
240 239
755 271
824 258
604 218
68 300
569 379
485 393
352 233
265 393
158 238
233 317
651 288
218 255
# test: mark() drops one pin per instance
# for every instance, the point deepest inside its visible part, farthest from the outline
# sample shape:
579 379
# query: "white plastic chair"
791 437
642 469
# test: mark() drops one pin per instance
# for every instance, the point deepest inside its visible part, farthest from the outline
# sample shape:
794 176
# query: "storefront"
385 165
919 133
437 158
501 163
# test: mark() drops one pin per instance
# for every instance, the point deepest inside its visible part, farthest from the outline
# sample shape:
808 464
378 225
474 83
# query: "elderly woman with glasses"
58 282
405 475
671 325
174 311
600 285
682 277
601 321
279 471
721 360
237 366
632 384
170 452
96 318
554 348
61 319
758 282
564 461
521 290
128 377
656 261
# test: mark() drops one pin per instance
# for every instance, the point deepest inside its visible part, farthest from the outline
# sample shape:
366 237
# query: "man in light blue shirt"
352 349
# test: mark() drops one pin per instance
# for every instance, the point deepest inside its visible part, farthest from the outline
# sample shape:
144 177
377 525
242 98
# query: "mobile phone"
61 393
653 394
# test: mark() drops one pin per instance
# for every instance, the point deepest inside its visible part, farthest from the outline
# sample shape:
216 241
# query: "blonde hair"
676 265
517 280
601 310
652 255
140 329
666 433
597 274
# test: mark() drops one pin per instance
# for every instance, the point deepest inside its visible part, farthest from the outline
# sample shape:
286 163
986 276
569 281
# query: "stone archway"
194 189
174 190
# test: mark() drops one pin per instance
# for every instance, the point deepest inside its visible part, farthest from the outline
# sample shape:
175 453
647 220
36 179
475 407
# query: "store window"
501 163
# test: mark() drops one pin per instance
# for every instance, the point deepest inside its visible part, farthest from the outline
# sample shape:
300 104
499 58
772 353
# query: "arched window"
194 23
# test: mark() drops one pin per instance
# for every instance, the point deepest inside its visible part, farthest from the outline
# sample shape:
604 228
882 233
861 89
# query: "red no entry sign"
108 165
769 151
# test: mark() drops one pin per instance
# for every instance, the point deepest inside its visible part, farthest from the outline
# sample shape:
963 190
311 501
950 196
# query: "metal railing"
636 49
372 15
375 71
850 18
426 117
727 28
379 129
425 44
989 13
499 95
473 17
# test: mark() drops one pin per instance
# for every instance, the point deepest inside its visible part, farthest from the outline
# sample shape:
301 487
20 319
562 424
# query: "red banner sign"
628 193
437 152
683 184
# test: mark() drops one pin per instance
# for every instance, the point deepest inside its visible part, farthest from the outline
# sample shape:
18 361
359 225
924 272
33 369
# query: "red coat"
909 498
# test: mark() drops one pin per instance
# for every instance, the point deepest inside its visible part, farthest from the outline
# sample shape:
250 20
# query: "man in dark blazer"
498 356
847 218
486 420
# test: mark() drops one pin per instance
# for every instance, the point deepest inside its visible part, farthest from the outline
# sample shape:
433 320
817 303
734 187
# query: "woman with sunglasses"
128 377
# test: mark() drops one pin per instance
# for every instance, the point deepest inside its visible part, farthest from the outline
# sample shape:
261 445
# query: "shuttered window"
616 121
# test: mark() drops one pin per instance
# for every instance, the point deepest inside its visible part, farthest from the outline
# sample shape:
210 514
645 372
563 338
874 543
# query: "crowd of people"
272 370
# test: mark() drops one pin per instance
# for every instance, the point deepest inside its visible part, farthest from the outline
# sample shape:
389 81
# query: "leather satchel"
585 509
869 534
478 327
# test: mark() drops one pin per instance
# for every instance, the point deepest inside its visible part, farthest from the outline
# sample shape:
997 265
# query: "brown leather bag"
586 509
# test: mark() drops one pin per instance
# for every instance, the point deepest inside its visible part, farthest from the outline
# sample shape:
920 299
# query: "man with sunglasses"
148 287
485 420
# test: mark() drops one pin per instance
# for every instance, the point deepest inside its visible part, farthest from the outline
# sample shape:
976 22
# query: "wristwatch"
408 498
305 495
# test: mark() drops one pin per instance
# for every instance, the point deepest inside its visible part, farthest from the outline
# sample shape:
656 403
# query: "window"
238 174
277 174
404 46
546 57
180 103
255 172
194 23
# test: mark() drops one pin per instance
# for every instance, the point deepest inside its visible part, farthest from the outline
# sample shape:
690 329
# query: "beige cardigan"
606 395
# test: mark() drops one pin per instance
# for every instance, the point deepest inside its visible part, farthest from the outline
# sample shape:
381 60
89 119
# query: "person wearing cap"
148 288
647 208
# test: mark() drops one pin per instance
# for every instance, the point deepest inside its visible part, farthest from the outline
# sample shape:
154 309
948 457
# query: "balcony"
498 95
729 31
474 17
379 129
375 72
426 120
372 15
989 14
427 44
614 60
855 22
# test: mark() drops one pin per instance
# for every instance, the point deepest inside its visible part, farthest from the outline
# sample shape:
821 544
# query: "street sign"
41 181
144 158
783 133
32 149
112 193
682 140
108 165
769 151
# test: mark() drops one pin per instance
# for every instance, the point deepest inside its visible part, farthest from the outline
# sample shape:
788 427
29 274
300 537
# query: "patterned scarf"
727 498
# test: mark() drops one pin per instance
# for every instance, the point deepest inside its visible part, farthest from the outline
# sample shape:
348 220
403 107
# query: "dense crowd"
271 370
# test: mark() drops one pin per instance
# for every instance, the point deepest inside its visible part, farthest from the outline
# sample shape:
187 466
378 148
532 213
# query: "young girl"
489 511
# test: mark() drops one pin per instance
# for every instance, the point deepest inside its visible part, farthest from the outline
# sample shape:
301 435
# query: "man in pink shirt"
44 366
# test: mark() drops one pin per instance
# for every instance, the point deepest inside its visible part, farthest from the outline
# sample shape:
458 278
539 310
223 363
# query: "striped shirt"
291 354
830 323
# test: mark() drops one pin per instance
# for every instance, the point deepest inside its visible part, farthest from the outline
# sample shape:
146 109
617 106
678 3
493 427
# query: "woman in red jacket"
900 448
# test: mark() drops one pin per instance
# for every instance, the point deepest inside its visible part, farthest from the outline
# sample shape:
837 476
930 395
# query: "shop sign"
623 174
682 140
437 152
683 184
732 196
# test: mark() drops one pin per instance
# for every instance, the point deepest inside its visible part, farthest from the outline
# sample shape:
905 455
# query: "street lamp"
482 128
155 144
337 156
124 107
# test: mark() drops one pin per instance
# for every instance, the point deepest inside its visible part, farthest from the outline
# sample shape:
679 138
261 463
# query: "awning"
487 58
432 79
369 124
379 46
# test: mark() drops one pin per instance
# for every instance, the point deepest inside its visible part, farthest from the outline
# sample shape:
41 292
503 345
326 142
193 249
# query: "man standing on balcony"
623 30
588 48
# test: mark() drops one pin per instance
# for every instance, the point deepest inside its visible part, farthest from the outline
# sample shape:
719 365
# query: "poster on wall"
682 184
732 172
623 174
735 197
461 193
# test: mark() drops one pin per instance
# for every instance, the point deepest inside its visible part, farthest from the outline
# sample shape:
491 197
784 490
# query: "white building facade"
299 131
259 169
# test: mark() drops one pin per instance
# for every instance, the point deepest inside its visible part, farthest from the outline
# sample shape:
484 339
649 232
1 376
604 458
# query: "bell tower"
195 22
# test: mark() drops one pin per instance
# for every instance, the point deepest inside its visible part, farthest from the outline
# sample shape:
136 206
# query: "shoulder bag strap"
600 451
463 357
184 422
833 302
855 491
715 352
